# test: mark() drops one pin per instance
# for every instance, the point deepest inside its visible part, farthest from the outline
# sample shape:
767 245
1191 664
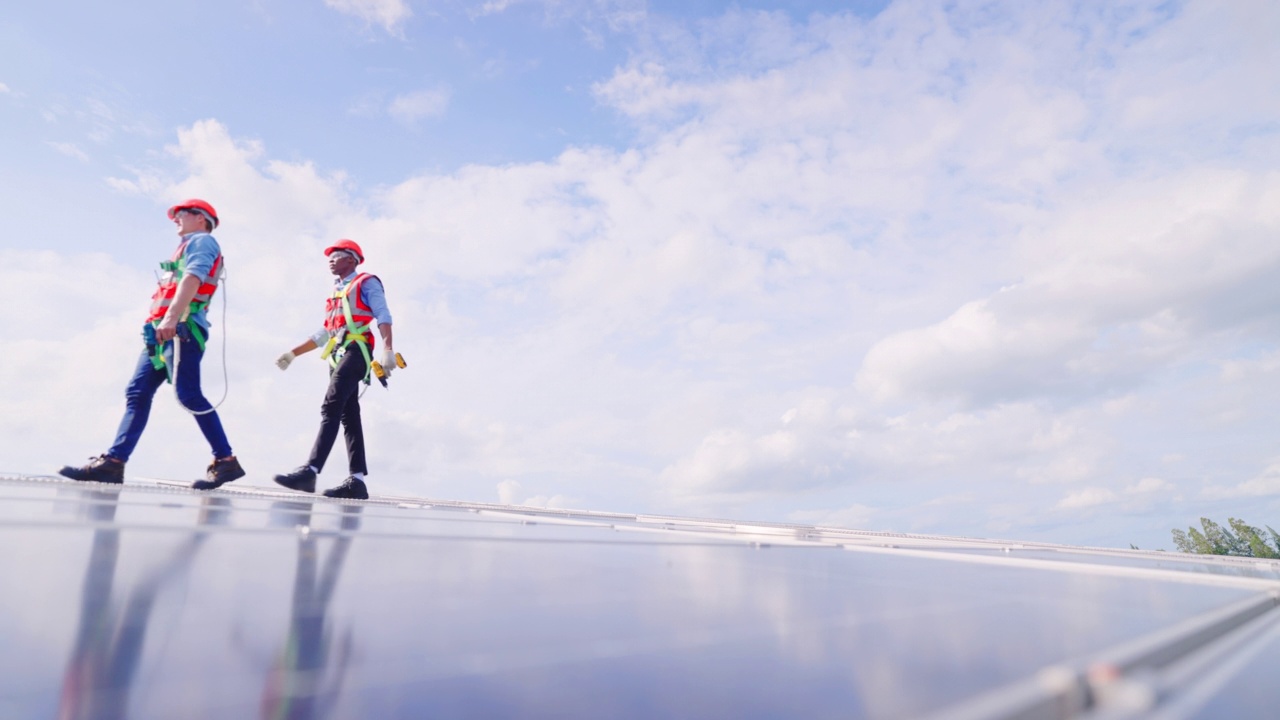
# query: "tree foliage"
1238 538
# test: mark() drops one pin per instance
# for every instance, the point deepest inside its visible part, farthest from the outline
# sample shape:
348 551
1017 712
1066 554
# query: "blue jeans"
142 388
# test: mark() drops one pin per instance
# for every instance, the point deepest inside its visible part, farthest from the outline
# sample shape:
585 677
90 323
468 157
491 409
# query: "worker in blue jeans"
175 333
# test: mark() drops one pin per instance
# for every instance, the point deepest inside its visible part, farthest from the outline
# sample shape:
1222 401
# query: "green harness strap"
157 357
356 333
178 268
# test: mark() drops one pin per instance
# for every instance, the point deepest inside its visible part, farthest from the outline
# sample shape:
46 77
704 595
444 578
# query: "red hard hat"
200 206
348 245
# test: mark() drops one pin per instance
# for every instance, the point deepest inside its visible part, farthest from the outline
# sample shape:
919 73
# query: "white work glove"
388 362
283 361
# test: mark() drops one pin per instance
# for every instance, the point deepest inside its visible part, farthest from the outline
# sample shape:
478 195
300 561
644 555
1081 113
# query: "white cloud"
411 107
1266 483
70 150
143 182
782 311
1152 271
4 88
1149 486
854 517
390 14
1087 498
85 298
729 459
1132 497
644 90
493 7
1249 370
370 104
562 502
508 492
614 14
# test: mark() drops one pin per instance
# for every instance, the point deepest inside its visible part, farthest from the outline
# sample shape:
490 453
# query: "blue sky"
981 268
297 75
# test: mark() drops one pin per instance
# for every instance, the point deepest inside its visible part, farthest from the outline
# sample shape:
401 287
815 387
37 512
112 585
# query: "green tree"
1238 538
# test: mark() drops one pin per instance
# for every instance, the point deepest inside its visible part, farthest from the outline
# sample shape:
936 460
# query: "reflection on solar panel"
152 601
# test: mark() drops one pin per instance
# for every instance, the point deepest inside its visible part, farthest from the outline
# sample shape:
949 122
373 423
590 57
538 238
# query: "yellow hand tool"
381 374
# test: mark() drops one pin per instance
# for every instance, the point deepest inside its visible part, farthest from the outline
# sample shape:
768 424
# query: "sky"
979 268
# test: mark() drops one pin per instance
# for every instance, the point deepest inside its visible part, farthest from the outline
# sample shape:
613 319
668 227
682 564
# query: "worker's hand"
166 329
388 361
283 361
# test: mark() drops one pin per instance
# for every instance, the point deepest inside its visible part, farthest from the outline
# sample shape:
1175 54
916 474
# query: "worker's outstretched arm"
283 361
305 347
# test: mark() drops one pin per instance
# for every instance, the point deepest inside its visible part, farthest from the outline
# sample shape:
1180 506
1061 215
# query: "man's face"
188 221
341 263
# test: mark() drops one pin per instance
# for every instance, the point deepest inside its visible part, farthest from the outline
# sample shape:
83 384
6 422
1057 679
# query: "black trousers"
342 406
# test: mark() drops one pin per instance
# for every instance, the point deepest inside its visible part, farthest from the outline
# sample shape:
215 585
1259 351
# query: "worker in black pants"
358 300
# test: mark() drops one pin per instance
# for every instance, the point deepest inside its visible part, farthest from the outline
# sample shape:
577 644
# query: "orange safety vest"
174 269
349 321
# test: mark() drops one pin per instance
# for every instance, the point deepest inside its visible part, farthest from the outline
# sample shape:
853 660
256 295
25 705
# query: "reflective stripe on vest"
174 269
346 313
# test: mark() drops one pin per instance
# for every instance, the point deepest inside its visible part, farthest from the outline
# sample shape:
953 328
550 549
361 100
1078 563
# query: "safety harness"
174 270
349 325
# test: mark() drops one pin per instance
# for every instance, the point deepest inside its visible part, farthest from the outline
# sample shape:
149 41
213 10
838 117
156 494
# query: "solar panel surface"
153 601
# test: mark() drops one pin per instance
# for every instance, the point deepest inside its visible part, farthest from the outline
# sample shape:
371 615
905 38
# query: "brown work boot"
219 473
103 469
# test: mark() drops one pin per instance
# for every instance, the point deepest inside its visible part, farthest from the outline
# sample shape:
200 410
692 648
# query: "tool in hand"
380 373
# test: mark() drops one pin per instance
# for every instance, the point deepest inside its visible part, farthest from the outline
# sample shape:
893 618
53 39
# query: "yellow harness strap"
355 332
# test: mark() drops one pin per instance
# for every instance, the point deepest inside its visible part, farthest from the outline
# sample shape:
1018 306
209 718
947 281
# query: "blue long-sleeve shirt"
372 294
201 252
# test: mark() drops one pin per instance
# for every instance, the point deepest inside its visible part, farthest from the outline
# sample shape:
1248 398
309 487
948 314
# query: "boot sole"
214 484
112 481
347 497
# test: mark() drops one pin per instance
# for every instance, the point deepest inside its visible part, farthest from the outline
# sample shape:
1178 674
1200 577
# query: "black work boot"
304 479
103 469
220 472
351 489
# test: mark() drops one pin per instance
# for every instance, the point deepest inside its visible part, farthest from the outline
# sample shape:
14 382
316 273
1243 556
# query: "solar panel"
153 601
